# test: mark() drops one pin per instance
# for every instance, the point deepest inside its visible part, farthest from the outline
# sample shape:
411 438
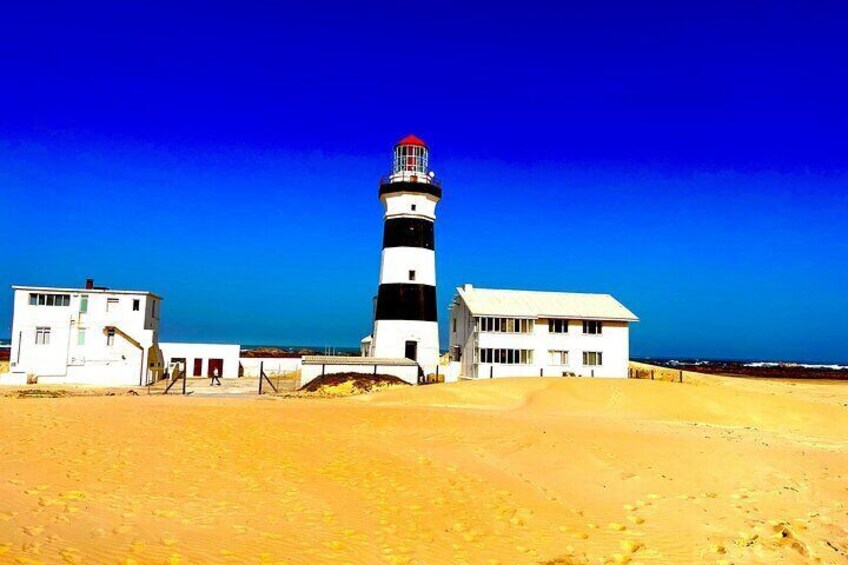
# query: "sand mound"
348 384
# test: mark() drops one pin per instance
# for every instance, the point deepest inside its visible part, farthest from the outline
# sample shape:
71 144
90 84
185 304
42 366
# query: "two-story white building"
512 333
90 335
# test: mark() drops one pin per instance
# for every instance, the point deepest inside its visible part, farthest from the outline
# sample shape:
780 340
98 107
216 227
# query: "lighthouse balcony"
422 185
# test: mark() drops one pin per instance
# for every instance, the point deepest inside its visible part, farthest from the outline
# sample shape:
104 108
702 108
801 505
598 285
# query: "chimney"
89 284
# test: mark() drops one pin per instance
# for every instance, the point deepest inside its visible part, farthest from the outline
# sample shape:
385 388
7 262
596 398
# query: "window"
454 325
198 368
559 357
42 336
81 336
112 304
505 325
558 326
414 207
593 358
455 353
83 304
37 299
412 275
110 338
136 304
592 327
506 356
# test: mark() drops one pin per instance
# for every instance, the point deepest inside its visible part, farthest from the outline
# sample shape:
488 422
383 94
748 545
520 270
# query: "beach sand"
503 471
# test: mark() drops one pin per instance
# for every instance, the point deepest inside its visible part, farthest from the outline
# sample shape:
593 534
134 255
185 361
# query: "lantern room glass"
411 159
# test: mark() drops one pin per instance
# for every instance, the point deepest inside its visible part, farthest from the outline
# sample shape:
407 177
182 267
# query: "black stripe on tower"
409 232
404 301
430 188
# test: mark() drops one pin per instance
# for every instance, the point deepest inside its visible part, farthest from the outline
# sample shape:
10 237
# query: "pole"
681 376
593 373
652 374
184 382
437 373
261 372
491 371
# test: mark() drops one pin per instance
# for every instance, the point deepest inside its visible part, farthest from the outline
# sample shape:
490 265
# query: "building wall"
69 360
401 331
203 351
613 342
272 365
310 372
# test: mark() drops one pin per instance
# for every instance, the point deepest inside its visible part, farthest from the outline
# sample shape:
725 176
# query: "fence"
656 374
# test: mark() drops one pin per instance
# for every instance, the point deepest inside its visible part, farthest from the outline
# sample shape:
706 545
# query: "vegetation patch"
346 384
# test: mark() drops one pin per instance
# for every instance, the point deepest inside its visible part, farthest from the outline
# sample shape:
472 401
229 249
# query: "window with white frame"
557 326
593 358
81 336
506 356
558 357
83 303
42 336
505 325
110 338
112 304
593 327
43 299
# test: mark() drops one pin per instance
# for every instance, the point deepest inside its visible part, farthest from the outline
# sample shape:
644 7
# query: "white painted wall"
613 342
65 360
272 365
203 351
407 373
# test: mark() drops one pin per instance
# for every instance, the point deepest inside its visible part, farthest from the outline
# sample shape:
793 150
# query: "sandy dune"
505 471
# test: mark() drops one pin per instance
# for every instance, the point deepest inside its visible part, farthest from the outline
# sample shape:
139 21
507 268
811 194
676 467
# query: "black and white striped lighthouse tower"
405 323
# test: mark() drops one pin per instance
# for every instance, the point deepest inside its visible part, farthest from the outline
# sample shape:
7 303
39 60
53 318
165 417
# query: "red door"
216 364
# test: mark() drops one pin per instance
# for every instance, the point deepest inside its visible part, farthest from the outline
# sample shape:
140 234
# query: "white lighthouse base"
390 337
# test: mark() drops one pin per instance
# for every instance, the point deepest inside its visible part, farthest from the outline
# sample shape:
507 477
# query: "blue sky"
689 160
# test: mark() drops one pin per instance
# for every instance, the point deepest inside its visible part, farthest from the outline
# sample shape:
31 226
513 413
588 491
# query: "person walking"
215 377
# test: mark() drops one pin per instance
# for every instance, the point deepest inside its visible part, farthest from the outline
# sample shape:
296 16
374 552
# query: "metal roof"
351 360
85 290
538 304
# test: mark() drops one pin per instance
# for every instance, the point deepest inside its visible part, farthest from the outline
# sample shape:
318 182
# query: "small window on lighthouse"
414 206
412 275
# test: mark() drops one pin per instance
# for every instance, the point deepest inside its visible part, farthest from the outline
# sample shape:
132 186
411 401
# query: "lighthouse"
405 321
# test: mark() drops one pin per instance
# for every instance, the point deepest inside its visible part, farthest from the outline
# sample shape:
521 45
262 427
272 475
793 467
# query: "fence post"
593 373
652 374
681 376
323 368
184 382
437 372
261 372
491 371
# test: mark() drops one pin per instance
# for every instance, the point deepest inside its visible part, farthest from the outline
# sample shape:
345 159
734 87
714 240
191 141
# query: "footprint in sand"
33 531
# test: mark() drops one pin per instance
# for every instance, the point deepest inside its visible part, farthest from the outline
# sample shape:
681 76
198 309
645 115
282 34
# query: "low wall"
272 365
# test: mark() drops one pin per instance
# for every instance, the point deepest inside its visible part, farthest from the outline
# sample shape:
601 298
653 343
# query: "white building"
90 335
200 359
509 333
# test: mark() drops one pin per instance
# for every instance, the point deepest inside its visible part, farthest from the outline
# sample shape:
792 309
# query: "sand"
504 471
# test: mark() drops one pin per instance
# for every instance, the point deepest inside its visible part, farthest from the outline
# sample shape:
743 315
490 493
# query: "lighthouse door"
412 350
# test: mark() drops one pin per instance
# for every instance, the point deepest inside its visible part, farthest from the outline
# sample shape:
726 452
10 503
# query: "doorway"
411 350
215 364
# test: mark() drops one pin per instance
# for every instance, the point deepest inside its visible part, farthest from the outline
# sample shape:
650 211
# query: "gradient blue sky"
689 160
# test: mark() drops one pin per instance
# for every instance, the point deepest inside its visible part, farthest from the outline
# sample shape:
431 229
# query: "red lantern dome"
412 140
